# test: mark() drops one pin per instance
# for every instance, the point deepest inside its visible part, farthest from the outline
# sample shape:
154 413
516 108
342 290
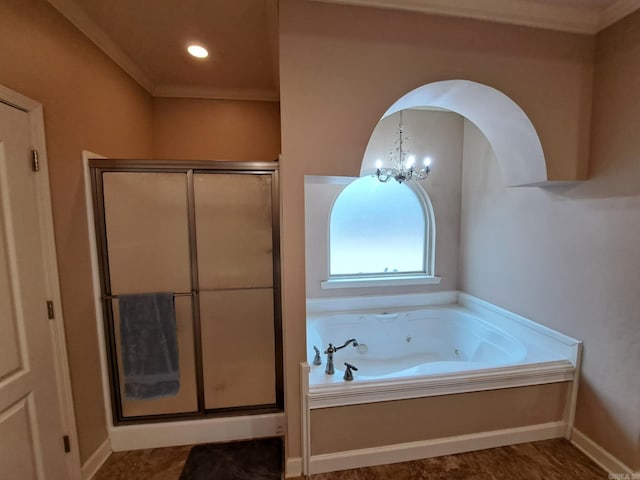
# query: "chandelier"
403 163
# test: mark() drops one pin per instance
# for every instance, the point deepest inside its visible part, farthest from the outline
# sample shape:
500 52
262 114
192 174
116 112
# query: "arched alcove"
506 126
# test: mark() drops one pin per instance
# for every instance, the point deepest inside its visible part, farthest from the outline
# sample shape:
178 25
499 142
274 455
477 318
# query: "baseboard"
405 452
598 454
293 467
95 461
190 432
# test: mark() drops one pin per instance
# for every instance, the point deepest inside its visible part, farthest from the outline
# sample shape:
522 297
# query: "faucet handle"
348 374
316 359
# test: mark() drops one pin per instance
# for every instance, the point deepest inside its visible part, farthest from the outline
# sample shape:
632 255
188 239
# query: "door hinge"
67 444
50 312
35 164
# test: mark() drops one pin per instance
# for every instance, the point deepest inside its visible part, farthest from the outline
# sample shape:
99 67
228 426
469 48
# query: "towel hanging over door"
149 345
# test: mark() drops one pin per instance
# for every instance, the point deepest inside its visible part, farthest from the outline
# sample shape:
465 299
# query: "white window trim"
391 280
379 281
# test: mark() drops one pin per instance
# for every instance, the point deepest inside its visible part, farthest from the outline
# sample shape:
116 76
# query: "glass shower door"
234 215
147 237
201 241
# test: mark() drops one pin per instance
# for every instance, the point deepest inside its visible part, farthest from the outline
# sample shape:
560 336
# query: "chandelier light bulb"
427 161
378 163
410 161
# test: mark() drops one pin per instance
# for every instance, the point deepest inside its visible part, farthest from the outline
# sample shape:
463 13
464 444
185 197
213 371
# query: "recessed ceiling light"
197 51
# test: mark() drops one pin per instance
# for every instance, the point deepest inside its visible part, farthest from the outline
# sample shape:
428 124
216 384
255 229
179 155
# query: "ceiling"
148 38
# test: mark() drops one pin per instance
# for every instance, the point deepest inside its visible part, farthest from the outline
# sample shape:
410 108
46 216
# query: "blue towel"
149 345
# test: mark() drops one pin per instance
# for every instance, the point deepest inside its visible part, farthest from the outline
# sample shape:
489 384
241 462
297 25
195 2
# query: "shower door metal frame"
188 167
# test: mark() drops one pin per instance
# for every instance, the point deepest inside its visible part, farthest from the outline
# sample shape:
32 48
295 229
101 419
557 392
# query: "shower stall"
190 285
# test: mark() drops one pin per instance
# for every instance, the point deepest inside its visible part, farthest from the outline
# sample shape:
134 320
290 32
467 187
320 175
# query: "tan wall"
196 129
342 67
611 396
568 257
89 103
376 424
438 134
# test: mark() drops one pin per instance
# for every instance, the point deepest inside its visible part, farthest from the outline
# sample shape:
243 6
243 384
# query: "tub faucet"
329 370
316 358
348 373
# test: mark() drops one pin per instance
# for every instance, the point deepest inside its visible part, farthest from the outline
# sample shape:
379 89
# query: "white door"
31 432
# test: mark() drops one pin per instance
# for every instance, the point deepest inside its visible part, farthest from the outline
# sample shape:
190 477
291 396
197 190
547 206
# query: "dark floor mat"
260 459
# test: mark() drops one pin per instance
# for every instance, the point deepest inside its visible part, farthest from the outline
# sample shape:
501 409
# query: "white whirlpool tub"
438 374
406 352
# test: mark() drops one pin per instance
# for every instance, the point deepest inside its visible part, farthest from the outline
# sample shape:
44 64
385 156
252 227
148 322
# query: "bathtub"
469 374
423 350
416 342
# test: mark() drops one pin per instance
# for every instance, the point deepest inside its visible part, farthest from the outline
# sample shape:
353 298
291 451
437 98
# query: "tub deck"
434 350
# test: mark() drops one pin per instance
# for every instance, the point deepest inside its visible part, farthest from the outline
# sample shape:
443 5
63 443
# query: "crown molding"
517 12
181 91
76 15
616 11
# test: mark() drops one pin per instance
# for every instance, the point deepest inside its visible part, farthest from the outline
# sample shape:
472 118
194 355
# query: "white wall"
434 133
568 258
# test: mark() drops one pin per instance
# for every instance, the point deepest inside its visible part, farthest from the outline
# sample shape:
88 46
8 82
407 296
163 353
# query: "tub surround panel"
376 424
426 449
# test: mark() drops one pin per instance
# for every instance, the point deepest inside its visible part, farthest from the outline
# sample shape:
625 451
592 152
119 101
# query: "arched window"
381 231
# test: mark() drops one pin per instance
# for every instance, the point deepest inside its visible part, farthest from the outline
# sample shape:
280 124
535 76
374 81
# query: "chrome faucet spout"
351 340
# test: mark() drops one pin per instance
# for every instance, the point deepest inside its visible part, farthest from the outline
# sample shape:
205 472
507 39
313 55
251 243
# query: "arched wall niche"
508 129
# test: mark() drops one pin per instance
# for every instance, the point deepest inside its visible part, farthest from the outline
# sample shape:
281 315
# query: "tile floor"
547 460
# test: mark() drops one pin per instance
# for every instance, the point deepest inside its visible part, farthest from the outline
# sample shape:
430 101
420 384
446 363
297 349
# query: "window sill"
379 281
